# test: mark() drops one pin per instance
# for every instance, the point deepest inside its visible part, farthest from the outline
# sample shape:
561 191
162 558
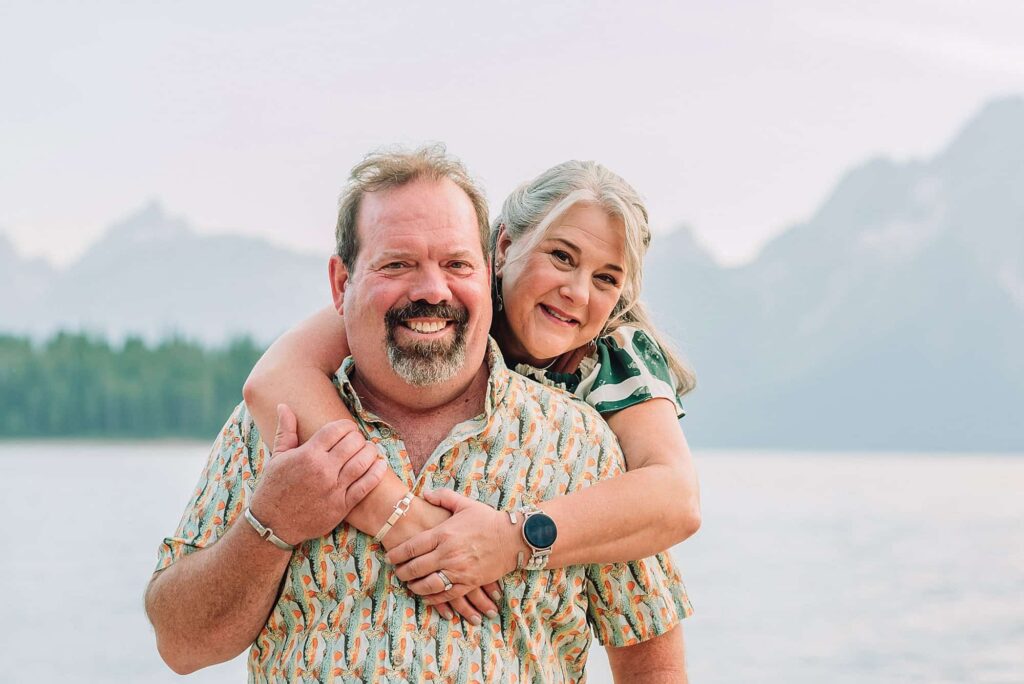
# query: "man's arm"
660 660
208 606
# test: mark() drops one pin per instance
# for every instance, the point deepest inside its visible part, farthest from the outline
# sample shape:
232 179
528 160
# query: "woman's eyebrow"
611 267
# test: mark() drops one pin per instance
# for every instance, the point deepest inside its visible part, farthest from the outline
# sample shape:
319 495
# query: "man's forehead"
415 199
422 214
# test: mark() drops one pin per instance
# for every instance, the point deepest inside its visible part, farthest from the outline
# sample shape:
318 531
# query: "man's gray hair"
395 167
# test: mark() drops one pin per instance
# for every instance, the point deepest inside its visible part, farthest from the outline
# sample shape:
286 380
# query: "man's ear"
501 250
338 274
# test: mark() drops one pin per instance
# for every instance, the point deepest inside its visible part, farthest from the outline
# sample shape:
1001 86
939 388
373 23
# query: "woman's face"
559 294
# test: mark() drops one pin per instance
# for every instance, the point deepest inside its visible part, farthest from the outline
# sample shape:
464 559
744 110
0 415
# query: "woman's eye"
608 279
562 256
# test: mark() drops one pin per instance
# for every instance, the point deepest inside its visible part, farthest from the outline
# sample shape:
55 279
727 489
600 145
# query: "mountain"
153 274
24 282
892 318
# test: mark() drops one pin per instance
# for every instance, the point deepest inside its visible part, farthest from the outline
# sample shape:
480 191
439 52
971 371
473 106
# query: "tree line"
77 385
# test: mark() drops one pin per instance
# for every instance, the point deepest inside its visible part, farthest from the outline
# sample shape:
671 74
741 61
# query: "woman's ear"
501 249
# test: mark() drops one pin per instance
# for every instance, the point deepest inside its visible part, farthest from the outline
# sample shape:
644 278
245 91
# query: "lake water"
809 567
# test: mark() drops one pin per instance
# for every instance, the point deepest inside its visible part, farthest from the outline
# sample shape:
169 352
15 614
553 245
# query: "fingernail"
446 613
475 619
492 614
495 595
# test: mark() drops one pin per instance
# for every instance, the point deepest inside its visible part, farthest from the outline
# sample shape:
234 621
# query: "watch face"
540 531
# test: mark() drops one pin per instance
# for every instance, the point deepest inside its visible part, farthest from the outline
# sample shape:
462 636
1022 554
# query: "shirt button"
385 432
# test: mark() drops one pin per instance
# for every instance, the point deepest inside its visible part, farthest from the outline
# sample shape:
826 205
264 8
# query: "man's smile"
427 326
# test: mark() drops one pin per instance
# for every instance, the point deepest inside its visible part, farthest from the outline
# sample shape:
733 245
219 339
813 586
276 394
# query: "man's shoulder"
240 433
552 403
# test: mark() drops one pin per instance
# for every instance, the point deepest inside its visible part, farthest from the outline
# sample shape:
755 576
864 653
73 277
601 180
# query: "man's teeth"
559 317
424 327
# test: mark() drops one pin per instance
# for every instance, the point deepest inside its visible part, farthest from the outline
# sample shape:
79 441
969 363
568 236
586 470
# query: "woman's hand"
473 548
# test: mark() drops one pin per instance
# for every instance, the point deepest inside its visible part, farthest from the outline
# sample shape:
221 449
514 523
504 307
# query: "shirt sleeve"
630 602
636 601
631 369
223 491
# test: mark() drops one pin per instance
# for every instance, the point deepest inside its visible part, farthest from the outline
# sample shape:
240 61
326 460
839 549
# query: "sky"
733 117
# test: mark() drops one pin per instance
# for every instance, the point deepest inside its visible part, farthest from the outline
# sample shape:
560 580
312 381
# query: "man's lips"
559 315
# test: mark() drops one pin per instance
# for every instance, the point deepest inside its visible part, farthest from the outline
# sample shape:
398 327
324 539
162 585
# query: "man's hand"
305 491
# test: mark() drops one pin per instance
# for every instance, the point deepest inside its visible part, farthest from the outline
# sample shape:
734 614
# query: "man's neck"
423 416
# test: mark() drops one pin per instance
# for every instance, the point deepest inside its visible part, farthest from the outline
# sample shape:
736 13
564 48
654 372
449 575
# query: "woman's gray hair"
531 209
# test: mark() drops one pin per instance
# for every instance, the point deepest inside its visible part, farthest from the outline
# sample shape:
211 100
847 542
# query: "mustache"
422 309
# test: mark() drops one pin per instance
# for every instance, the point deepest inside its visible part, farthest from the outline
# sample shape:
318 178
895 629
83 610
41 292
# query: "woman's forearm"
631 516
294 372
653 506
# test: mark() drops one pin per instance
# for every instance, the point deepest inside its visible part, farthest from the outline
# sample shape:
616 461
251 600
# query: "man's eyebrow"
577 250
389 254
462 254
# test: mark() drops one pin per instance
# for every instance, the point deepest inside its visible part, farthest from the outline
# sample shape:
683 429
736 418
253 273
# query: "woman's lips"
559 316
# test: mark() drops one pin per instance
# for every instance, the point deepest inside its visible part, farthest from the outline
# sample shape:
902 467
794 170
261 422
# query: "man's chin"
423 371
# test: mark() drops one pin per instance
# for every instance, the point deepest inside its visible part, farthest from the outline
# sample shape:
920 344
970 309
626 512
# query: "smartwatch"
539 533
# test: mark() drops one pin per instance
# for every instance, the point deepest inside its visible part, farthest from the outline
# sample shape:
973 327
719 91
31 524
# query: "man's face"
417 300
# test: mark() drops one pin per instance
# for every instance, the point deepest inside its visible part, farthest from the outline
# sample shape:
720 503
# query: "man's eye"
394 265
459 265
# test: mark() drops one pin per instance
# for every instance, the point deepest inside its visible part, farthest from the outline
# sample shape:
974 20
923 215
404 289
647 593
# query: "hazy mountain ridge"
892 318
153 275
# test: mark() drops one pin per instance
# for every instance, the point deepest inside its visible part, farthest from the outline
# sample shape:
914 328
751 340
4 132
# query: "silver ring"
444 578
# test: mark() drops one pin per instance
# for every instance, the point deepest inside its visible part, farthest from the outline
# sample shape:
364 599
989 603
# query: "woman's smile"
560 317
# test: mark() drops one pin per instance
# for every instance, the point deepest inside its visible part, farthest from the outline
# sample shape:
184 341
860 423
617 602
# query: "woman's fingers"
479 600
422 543
426 586
463 608
421 566
493 590
446 498
445 610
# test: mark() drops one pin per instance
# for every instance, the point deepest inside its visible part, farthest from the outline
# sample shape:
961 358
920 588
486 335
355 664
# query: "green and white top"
626 368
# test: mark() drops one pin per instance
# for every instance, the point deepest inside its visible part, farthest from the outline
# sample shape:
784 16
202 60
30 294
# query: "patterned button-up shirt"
344 616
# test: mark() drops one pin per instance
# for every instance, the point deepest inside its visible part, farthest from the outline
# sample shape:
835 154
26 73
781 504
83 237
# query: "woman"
567 254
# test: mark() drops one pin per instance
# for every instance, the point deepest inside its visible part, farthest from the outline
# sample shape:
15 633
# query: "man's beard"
427 362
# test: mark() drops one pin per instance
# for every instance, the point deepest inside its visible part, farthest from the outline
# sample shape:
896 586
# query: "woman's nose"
576 290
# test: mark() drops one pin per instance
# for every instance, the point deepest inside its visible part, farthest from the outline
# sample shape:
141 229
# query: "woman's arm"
653 506
297 371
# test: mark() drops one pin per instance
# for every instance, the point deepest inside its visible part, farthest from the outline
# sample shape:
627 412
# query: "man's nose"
431 285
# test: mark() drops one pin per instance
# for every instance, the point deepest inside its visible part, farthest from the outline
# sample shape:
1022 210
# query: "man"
429 389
